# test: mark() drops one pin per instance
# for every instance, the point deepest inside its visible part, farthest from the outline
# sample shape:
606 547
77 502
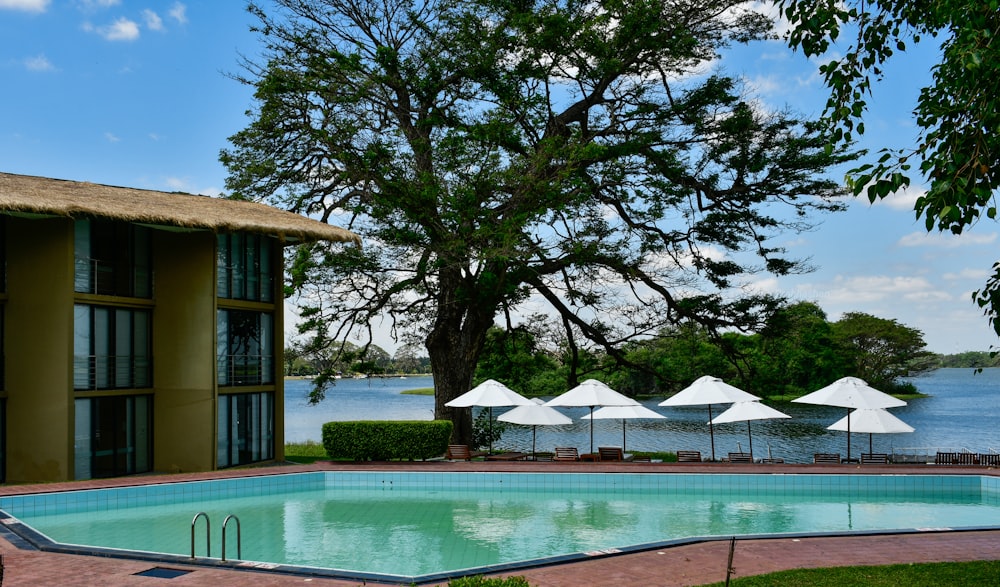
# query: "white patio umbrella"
850 393
590 394
708 390
488 394
872 421
535 414
636 412
748 410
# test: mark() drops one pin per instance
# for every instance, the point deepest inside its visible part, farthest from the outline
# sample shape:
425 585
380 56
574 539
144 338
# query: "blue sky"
136 93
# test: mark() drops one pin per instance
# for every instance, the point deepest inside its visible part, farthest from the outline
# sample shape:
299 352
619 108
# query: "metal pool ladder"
208 535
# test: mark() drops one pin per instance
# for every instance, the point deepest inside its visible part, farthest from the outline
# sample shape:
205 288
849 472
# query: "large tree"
958 115
494 153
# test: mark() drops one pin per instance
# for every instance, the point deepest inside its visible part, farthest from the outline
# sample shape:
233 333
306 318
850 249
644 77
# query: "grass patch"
911 575
419 391
306 452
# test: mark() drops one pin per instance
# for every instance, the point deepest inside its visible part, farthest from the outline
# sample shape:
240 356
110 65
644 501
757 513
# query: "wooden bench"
566 454
461 452
826 458
740 457
946 458
967 458
874 458
989 460
688 456
612 453
507 456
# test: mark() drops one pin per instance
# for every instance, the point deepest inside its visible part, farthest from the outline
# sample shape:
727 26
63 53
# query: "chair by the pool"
826 458
989 460
612 453
874 458
740 457
564 453
946 458
689 456
461 452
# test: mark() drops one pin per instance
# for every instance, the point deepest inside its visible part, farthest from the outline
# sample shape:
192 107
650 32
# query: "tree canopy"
499 155
958 115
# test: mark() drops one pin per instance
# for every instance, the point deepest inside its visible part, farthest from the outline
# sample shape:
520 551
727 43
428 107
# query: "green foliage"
484 432
308 449
911 575
489 153
958 149
881 350
480 581
386 440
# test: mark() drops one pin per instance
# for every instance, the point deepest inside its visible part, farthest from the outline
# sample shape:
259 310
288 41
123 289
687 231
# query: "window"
114 436
3 253
246 428
245 348
246 267
112 258
111 348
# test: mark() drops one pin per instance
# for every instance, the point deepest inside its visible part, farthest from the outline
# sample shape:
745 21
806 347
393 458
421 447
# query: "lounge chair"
507 456
461 452
989 460
946 458
564 453
826 458
968 458
874 458
612 453
740 457
688 456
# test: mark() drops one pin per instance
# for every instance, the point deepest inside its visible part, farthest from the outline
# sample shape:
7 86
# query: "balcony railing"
237 370
111 372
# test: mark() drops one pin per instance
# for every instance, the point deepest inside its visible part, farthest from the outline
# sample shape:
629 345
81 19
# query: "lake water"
961 412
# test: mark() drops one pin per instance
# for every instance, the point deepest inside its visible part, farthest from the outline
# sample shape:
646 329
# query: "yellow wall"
39 350
184 409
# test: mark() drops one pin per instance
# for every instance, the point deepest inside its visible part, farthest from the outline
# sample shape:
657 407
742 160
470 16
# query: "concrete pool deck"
688 565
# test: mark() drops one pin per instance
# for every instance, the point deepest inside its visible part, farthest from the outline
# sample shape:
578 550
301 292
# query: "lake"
960 412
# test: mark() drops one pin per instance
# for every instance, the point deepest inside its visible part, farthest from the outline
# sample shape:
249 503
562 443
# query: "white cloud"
178 12
111 137
967 273
98 4
153 20
903 199
946 240
38 63
122 29
25 5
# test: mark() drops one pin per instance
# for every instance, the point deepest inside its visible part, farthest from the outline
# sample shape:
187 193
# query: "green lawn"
911 575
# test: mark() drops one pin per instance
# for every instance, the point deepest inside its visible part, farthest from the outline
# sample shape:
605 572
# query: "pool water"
419 524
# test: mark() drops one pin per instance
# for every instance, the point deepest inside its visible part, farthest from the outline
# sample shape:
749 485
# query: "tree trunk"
453 346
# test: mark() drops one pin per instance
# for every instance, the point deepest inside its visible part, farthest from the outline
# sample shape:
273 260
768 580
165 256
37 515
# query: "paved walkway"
695 564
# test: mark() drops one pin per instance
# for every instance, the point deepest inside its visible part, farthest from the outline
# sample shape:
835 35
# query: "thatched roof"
24 194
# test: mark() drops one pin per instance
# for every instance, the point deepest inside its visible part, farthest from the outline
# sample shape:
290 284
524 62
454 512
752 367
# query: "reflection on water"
951 418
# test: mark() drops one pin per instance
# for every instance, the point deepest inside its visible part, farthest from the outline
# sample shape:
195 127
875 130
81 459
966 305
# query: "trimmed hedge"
386 440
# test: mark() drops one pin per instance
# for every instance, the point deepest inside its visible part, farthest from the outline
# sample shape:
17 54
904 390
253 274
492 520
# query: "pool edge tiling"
990 486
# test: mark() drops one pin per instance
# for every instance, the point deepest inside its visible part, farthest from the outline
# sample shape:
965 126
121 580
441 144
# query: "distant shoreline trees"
798 351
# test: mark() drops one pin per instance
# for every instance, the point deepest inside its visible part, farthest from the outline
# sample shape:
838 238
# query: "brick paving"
693 564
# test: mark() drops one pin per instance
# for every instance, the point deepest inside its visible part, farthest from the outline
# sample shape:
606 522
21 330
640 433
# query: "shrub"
386 440
480 581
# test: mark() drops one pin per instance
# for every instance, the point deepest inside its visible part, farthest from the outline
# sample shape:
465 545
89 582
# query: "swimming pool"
414 527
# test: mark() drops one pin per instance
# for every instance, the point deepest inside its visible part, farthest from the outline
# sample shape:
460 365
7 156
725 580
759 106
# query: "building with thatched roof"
141 330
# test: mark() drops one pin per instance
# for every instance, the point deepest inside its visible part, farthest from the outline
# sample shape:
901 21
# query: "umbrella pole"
491 429
591 429
848 435
711 433
869 443
534 430
750 438
623 435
